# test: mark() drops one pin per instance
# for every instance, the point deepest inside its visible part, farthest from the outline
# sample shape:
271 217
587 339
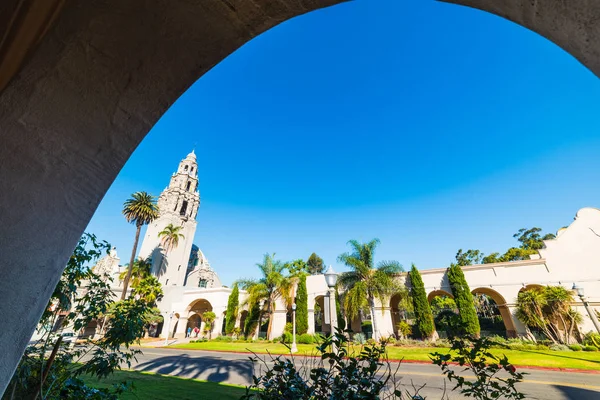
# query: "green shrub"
390 340
232 309
288 327
319 338
285 338
359 338
590 348
371 342
223 339
559 347
445 343
306 338
404 329
576 347
592 339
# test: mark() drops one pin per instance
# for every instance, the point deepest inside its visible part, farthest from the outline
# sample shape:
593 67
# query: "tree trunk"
373 323
131 260
270 326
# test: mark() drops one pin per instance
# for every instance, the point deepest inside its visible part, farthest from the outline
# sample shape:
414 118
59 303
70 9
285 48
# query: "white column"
311 320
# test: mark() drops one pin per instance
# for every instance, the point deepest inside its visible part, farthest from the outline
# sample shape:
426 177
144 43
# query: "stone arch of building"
199 306
80 91
438 293
507 318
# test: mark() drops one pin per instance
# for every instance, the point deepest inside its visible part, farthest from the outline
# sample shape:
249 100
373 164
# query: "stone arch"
319 304
243 316
199 306
440 293
54 78
507 318
398 314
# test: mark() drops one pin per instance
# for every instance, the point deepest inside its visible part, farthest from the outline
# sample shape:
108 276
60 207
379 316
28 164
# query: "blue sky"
430 126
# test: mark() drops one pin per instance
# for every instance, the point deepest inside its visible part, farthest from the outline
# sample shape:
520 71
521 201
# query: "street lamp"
294 348
580 292
331 278
168 328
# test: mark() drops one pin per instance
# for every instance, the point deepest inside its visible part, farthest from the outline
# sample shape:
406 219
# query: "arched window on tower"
183 208
188 186
185 168
202 283
192 169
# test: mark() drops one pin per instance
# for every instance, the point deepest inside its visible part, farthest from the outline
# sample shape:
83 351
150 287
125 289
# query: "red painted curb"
582 371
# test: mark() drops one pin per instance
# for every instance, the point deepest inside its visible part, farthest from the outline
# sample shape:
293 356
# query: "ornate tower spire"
178 205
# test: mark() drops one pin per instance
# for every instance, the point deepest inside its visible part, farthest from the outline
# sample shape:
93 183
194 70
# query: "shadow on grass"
574 393
213 369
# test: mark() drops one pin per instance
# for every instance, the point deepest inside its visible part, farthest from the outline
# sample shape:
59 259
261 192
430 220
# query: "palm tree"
364 283
141 270
169 240
273 285
140 209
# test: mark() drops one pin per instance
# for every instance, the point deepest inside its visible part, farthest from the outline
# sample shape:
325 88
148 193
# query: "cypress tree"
423 316
464 301
232 310
302 307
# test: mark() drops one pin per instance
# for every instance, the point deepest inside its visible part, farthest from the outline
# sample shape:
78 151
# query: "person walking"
196 331
189 332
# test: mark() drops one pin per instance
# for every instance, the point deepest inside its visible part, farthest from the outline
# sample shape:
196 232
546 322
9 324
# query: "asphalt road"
238 369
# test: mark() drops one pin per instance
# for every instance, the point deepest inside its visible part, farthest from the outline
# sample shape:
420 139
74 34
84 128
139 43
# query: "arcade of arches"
82 83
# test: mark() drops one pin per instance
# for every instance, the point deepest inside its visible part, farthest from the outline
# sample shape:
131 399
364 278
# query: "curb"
250 354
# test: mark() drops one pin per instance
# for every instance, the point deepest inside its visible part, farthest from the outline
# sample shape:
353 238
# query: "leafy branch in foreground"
335 375
495 377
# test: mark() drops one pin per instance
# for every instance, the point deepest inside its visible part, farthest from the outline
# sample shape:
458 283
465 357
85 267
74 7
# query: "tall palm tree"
273 285
169 240
140 209
141 270
365 282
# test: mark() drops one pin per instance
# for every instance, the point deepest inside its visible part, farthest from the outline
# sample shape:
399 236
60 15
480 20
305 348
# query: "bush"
306 338
576 347
371 342
559 347
590 348
288 327
223 339
285 338
359 338
445 343
592 339
302 307
390 340
319 338
404 329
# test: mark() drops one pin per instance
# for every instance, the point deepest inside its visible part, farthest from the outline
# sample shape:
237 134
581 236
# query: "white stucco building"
192 287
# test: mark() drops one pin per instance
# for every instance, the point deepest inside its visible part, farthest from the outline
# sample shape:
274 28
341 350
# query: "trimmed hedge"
306 338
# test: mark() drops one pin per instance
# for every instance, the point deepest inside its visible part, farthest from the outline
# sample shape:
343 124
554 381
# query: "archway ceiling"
86 82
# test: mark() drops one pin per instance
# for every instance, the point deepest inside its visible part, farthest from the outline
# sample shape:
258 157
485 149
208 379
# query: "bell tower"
178 205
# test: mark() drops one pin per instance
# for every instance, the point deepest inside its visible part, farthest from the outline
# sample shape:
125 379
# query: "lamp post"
168 328
581 294
331 278
294 348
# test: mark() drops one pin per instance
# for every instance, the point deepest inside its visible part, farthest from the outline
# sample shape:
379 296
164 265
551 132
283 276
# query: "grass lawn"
158 387
534 358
